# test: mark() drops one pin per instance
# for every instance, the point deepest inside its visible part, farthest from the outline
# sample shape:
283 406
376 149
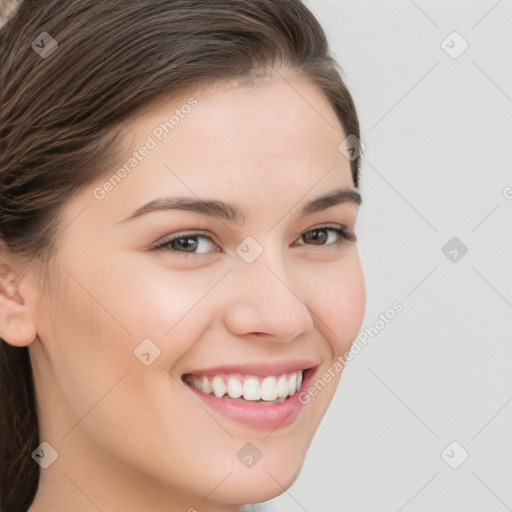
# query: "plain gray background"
438 135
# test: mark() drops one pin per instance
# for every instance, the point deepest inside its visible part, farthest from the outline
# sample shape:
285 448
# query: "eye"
327 235
183 244
187 243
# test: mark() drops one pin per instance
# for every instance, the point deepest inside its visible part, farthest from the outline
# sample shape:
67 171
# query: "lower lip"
256 415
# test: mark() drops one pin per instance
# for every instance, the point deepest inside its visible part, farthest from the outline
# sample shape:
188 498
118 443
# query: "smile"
248 388
261 397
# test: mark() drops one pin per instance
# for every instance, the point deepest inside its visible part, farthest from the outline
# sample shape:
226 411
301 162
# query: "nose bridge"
265 301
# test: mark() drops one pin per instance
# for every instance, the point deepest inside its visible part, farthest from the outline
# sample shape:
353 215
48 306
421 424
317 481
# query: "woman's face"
210 263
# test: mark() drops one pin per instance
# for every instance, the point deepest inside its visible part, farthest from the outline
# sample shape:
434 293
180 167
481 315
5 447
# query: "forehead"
263 146
276 126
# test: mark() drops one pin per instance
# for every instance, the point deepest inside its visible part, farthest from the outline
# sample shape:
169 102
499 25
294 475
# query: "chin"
259 486
271 476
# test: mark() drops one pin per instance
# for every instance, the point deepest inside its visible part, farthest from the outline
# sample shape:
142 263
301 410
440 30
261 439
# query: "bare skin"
132 437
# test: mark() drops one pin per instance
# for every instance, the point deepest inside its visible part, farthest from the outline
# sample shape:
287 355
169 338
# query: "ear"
16 323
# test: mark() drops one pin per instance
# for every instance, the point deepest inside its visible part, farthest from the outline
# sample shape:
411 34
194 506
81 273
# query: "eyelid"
345 233
164 241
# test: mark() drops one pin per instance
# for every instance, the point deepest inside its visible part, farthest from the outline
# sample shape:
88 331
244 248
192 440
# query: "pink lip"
258 369
258 416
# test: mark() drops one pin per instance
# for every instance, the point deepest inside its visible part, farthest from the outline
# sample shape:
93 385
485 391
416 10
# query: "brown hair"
61 124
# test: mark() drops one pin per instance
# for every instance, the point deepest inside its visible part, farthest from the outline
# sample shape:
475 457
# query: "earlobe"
16 323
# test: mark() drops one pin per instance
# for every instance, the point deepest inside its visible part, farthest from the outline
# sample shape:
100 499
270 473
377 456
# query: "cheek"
171 307
339 299
85 353
136 298
100 386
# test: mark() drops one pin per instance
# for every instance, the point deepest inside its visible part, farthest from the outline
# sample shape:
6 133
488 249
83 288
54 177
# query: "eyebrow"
233 212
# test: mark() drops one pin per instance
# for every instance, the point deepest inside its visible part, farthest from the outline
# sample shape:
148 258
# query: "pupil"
318 236
186 243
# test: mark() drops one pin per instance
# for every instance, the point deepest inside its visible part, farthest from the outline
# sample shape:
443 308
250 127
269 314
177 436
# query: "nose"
264 302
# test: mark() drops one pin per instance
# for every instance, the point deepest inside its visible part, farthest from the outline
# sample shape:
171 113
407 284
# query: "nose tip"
266 305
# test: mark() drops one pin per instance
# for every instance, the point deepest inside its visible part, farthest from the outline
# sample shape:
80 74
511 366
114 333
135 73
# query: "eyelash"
340 231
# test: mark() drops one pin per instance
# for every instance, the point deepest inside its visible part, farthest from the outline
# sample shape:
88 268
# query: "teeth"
299 381
248 388
234 388
282 387
195 383
218 387
269 389
292 384
205 385
252 390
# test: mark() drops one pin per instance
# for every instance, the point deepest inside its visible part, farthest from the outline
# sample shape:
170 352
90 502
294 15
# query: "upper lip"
258 369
